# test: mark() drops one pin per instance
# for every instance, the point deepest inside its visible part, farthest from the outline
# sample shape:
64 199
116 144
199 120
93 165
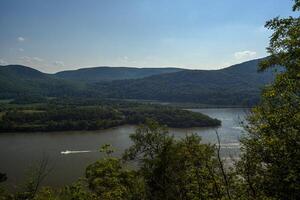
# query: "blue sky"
54 35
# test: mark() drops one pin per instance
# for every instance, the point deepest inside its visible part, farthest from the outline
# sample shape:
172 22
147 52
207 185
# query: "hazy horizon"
139 67
60 35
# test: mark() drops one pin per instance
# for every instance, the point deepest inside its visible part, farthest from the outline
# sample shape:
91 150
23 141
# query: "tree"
36 176
175 169
109 180
270 163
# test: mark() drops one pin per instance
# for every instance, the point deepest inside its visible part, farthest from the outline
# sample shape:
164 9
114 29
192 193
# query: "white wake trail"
73 152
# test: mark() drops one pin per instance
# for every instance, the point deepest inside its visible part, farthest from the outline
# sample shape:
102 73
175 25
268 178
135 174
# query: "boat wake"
73 152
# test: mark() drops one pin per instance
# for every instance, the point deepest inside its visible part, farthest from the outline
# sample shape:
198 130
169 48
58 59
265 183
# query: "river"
70 152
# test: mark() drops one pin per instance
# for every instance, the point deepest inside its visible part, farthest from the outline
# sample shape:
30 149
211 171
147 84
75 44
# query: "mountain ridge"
106 73
234 85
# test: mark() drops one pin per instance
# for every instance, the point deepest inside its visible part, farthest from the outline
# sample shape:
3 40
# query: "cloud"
3 62
124 59
244 55
31 60
21 39
21 49
59 63
37 59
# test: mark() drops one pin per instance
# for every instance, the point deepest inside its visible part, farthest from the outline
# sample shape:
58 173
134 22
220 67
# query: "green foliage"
216 87
76 191
168 116
270 163
175 169
99 74
92 114
107 149
110 181
186 169
29 99
17 80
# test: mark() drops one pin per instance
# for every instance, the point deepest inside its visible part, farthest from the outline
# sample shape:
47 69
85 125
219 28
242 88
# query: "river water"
70 152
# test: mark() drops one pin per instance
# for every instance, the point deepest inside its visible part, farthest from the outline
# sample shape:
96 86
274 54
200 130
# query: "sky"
55 35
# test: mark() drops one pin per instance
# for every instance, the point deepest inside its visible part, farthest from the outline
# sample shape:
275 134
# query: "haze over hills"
236 85
96 74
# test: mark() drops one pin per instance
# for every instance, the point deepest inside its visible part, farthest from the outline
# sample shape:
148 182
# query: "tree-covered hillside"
97 74
91 114
18 80
236 85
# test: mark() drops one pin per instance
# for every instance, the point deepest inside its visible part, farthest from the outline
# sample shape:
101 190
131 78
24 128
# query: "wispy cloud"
21 49
59 63
244 55
31 60
21 39
38 59
3 62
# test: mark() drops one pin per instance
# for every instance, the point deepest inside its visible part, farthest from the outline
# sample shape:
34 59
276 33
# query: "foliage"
213 87
186 169
89 114
270 163
168 116
216 87
100 74
175 169
110 181
76 191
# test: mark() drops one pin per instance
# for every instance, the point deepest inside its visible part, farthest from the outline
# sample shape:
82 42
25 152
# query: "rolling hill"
18 80
236 85
97 74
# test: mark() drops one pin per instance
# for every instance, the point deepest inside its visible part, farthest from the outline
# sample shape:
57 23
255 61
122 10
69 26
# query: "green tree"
270 163
175 169
110 180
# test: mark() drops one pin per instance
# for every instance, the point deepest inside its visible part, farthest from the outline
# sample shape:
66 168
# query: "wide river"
20 151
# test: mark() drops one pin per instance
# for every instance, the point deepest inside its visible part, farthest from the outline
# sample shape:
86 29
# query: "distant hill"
236 85
21 80
97 74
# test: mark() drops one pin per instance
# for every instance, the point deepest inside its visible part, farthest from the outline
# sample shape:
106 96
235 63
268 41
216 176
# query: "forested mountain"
236 85
97 74
16 80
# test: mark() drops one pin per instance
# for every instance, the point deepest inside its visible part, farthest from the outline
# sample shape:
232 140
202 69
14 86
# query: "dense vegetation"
84 114
237 85
98 74
19 80
186 169
272 149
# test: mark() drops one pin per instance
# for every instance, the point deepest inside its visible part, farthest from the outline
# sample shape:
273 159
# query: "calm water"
19 151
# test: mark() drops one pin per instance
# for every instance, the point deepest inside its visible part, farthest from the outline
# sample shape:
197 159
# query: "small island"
66 114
